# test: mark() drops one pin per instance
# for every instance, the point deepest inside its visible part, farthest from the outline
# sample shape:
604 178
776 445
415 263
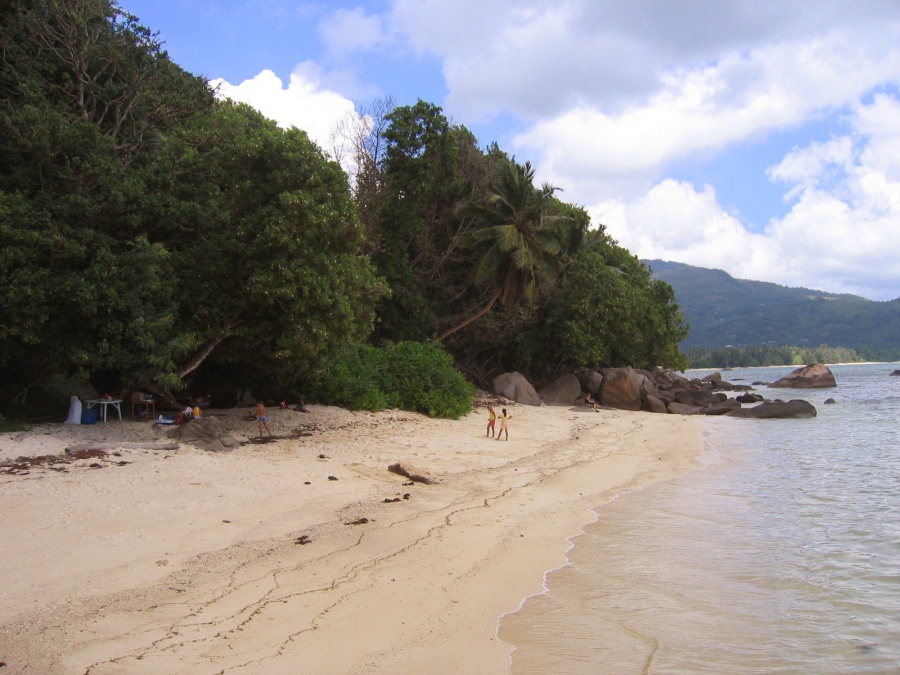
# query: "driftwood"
399 469
150 445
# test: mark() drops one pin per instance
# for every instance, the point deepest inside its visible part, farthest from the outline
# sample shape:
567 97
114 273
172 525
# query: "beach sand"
190 561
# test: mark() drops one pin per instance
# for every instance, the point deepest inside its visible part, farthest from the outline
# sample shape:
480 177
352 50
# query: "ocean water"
780 555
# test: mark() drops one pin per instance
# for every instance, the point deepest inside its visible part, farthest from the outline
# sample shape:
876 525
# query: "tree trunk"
472 319
200 357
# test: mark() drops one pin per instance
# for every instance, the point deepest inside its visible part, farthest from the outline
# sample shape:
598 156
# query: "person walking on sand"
503 426
492 420
261 418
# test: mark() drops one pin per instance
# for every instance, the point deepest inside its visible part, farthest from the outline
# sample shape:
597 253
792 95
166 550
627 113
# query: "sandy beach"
304 554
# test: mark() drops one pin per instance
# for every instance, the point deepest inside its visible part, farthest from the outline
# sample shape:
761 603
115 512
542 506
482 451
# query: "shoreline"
191 561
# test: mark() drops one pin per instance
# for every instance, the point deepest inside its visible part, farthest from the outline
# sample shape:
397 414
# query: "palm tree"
513 219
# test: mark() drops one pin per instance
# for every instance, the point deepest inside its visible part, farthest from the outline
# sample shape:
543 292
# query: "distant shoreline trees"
768 355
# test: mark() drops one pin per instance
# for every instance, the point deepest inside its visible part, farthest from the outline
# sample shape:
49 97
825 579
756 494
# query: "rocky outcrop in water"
656 391
813 376
777 410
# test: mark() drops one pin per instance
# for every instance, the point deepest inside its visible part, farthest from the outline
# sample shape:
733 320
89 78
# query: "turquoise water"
780 555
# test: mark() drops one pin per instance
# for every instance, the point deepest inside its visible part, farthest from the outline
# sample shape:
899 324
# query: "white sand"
187 561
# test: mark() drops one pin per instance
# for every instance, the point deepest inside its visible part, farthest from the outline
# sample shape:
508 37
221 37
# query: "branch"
195 362
481 313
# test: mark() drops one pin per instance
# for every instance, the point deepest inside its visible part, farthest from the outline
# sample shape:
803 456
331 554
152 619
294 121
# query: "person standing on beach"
261 418
492 420
503 427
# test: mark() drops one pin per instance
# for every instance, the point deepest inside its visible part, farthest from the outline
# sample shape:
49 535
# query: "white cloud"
538 58
302 104
350 30
841 233
708 109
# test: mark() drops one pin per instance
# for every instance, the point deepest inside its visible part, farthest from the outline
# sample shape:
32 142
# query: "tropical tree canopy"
522 237
154 237
147 228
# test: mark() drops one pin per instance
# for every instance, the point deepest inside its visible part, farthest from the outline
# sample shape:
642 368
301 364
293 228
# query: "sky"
760 137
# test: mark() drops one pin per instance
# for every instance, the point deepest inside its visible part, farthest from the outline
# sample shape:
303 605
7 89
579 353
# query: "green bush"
8 425
408 375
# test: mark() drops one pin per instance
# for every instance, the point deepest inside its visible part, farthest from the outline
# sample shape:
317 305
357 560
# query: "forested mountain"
156 238
724 311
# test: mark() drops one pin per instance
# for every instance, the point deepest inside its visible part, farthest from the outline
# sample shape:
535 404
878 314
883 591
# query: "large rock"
697 398
648 388
565 390
621 389
653 404
723 407
52 395
515 387
590 380
812 376
206 433
684 409
777 410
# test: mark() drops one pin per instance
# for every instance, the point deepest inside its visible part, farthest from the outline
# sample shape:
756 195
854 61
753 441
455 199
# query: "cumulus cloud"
349 30
303 103
702 110
840 233
538 58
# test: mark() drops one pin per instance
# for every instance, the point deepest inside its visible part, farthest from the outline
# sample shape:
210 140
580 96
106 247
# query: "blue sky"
754 136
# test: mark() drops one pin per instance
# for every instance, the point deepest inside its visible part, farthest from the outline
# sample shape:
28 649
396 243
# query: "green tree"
266 244
85 91
522 234
146 228
608 311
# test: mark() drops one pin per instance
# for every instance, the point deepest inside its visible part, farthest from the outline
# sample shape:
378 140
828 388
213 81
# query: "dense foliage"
147 229
768 355
608 310
478 257
154 237
408 375
724 311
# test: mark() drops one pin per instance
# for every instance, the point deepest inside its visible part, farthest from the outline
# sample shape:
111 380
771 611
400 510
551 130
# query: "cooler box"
89 416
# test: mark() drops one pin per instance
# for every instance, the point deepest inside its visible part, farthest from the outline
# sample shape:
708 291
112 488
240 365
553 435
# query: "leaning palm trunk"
484 310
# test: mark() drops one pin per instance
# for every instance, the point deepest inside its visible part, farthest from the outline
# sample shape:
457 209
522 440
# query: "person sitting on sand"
589 400
261 418
503 427
492 419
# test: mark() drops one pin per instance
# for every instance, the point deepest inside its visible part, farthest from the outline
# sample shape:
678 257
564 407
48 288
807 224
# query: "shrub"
407 375
8 425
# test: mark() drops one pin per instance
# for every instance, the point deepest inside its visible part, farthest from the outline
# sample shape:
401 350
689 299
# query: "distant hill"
727 311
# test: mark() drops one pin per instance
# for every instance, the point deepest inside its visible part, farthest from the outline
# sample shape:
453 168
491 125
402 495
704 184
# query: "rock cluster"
658 391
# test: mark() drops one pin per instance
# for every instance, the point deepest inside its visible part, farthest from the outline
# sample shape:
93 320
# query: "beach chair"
144 404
